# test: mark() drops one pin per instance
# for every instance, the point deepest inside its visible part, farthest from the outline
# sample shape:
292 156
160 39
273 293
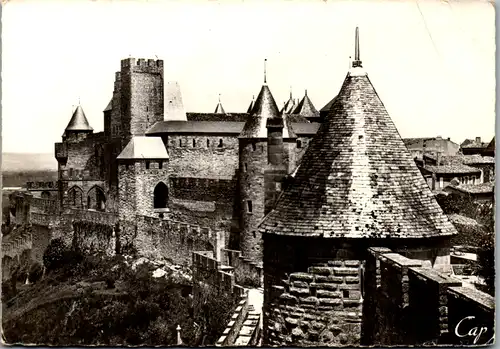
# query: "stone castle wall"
409 303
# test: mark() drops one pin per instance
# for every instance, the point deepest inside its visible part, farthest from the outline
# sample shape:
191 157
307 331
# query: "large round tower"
263 164
357 187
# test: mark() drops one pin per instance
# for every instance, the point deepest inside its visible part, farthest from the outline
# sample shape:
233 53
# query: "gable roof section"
357 179
142 147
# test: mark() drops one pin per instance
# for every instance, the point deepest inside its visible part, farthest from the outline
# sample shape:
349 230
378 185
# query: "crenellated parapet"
411 303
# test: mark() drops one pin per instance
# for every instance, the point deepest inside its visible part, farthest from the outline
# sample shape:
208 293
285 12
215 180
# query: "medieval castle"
325 213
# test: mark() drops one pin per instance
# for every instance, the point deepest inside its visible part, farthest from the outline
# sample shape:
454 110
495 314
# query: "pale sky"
432 62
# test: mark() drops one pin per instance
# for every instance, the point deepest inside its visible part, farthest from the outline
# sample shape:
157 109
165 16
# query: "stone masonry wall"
253 162
319 307
407 302
201 156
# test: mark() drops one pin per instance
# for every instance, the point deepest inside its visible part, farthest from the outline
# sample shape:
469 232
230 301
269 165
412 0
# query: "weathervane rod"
265 71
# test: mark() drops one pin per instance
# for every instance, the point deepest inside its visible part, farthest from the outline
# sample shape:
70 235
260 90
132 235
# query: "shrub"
35 273
53 257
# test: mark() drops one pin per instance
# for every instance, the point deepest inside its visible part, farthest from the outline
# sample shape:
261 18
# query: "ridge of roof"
78 121
357 179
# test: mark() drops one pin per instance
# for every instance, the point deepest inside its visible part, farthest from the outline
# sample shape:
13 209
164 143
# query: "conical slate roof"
305 108
219 109
264 109
78 121
357 179
109 106
250 107
289 106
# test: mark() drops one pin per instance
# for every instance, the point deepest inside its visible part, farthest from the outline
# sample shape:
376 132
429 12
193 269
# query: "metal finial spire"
79 101
265 71
219 97
306 91
290 92
357 61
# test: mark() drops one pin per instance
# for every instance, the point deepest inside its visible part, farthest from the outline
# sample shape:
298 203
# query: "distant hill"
27 162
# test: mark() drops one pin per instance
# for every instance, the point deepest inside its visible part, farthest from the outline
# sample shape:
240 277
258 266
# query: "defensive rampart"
409 303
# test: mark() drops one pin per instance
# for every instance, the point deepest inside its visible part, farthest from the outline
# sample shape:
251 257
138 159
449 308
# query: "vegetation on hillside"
99 300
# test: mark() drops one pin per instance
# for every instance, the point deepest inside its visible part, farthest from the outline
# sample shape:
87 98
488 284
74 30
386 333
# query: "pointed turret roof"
78 121
109 106
250 107
219 109
289 105
357 178
305 108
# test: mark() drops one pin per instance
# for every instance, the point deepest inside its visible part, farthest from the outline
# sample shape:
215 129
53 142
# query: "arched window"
96 200
160 195
221 143
75 197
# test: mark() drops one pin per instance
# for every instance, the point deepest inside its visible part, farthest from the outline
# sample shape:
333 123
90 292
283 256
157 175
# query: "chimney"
478 139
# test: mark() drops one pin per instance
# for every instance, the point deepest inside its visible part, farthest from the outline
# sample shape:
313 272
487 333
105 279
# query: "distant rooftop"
451 169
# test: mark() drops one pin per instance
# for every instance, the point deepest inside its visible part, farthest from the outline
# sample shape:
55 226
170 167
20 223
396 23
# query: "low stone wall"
234 326
407 302
47 206
319 307
247 273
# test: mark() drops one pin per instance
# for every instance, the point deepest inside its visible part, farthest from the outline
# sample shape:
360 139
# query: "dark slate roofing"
264 109
357 179
250 107
217 117
491 146
328 105
78 121
297 118
289 105
482 188
305 108
472 143
218 127
219 109
466 159
109 106
451 169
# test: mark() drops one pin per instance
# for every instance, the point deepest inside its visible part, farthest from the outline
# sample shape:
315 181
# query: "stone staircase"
250 332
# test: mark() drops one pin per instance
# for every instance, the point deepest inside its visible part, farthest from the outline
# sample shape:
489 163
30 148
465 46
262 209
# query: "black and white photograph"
228 173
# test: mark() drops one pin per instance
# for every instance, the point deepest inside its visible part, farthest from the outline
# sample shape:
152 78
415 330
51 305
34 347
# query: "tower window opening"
160 165
254 235
345 293
147 108
194 142
147 165
249 206
299 143
208 143
254 146
160 195
180 142
221 144
245 167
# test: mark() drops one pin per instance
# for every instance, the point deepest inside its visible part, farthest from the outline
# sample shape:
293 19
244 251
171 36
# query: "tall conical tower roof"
78 121
305 108
357 178
264 109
